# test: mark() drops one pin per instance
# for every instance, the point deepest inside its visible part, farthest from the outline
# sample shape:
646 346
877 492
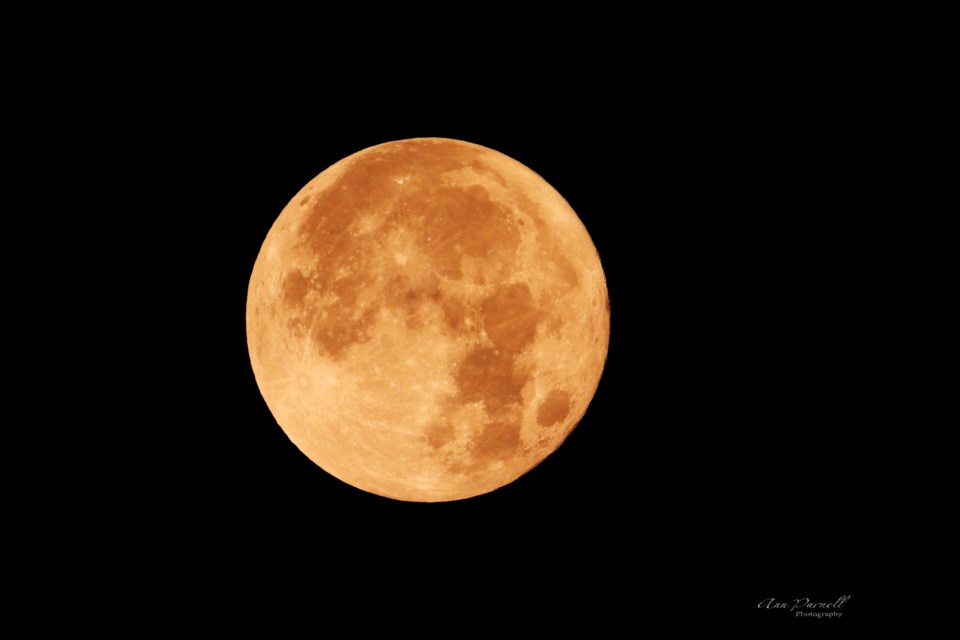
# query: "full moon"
427 320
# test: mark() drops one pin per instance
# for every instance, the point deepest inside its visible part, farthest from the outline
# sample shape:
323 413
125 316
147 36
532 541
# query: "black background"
729 454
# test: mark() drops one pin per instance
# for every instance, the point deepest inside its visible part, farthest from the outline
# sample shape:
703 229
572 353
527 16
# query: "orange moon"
427 320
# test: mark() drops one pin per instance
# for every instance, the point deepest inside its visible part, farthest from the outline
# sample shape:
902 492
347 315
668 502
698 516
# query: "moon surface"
427 320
